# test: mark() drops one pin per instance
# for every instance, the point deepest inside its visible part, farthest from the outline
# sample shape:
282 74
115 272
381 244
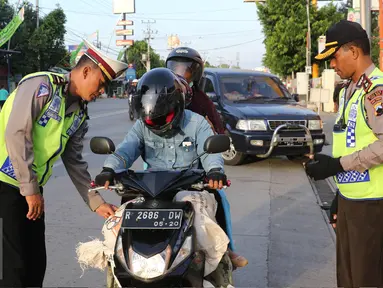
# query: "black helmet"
182 60
160 102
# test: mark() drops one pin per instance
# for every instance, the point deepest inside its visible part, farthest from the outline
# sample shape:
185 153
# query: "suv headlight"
251 125
315 125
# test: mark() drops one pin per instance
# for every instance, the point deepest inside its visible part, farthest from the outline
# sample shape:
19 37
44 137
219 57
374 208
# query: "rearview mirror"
102 145
217 144
212 96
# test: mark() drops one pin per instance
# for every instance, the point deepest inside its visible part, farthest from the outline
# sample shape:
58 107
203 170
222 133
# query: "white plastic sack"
211 239
95 253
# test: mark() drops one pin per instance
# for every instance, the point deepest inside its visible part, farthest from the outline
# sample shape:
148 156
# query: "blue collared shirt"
166 154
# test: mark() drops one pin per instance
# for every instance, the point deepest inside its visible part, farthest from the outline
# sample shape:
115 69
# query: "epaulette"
58 80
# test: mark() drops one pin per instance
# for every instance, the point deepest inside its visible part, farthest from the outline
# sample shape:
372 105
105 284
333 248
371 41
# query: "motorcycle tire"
131 116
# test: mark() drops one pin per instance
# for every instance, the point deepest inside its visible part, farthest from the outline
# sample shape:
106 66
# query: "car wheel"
232 157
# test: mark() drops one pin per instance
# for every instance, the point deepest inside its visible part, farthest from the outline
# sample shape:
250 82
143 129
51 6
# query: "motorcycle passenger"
187 63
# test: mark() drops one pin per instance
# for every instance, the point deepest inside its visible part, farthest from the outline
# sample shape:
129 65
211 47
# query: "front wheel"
232 157
131 115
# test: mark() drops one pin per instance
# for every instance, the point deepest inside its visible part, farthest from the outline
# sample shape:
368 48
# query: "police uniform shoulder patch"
58 80
375 97
43 90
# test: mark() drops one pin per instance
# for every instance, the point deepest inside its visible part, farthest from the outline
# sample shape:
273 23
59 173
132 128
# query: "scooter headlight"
152 267
183 253
119 252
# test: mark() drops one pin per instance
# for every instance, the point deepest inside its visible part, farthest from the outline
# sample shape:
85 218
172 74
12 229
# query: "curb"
319 201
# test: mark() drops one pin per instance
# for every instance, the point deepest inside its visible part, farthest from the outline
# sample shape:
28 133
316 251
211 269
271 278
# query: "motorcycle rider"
164 122
166 135
187 63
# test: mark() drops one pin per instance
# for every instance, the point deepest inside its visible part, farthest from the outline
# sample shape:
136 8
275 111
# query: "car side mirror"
217 144
213 97
296 97
102 145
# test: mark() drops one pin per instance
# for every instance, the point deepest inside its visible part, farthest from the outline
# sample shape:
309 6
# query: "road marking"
109 114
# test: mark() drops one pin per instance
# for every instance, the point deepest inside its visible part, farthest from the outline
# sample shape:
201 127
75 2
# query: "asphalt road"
277 222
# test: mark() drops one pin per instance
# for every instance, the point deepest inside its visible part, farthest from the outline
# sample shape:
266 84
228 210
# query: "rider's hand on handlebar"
216 178
105 178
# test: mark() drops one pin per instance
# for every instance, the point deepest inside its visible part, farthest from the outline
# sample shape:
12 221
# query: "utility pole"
365 16
237 58
37 27
308 48
148 36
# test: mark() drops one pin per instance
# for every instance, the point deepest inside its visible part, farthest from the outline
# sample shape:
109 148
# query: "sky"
224 31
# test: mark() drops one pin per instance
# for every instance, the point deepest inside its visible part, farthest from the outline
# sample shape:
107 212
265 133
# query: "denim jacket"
166 154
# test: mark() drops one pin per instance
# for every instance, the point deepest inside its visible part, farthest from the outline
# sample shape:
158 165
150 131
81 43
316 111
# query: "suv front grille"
273 124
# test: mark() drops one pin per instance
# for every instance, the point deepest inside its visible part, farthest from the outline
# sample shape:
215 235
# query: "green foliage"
46 41
285 27
134 55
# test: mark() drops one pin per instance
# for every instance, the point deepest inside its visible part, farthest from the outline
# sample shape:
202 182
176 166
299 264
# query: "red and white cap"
110 67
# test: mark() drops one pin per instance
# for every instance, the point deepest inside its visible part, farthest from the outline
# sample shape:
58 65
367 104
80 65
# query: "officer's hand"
334 210
323 166
105 210
35 205
105 178
216 178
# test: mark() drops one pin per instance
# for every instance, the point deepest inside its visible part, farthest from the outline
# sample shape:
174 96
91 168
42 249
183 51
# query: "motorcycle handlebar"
121 187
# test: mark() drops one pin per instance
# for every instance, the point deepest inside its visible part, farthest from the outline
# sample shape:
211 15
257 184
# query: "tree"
46 42
208 65
285 26
374 30
134 55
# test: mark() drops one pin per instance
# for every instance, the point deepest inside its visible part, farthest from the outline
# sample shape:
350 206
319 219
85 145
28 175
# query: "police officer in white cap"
41 121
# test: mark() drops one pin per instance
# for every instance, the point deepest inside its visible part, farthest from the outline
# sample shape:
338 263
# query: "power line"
162 19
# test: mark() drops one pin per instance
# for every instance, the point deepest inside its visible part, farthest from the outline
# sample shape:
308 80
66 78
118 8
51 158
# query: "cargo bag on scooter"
211 239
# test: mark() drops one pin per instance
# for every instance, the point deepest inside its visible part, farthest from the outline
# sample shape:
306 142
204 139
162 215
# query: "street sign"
308 69
126 42
124 32
125 23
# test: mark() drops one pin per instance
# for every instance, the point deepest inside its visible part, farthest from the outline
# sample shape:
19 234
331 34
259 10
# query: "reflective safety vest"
51 131
356 136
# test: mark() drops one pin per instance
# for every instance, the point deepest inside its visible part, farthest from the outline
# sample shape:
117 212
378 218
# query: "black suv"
261 117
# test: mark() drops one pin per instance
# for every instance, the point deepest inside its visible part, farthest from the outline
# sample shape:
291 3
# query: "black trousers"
359 244
24 252
2 103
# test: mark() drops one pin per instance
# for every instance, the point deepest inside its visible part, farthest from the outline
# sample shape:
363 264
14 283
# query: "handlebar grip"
103 177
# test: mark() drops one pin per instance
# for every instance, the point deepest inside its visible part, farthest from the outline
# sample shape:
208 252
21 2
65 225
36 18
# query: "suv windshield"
244 88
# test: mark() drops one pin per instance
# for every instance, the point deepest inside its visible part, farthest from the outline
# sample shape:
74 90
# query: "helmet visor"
190 70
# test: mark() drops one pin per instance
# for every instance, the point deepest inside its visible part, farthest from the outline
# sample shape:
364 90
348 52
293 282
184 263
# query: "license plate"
152 219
